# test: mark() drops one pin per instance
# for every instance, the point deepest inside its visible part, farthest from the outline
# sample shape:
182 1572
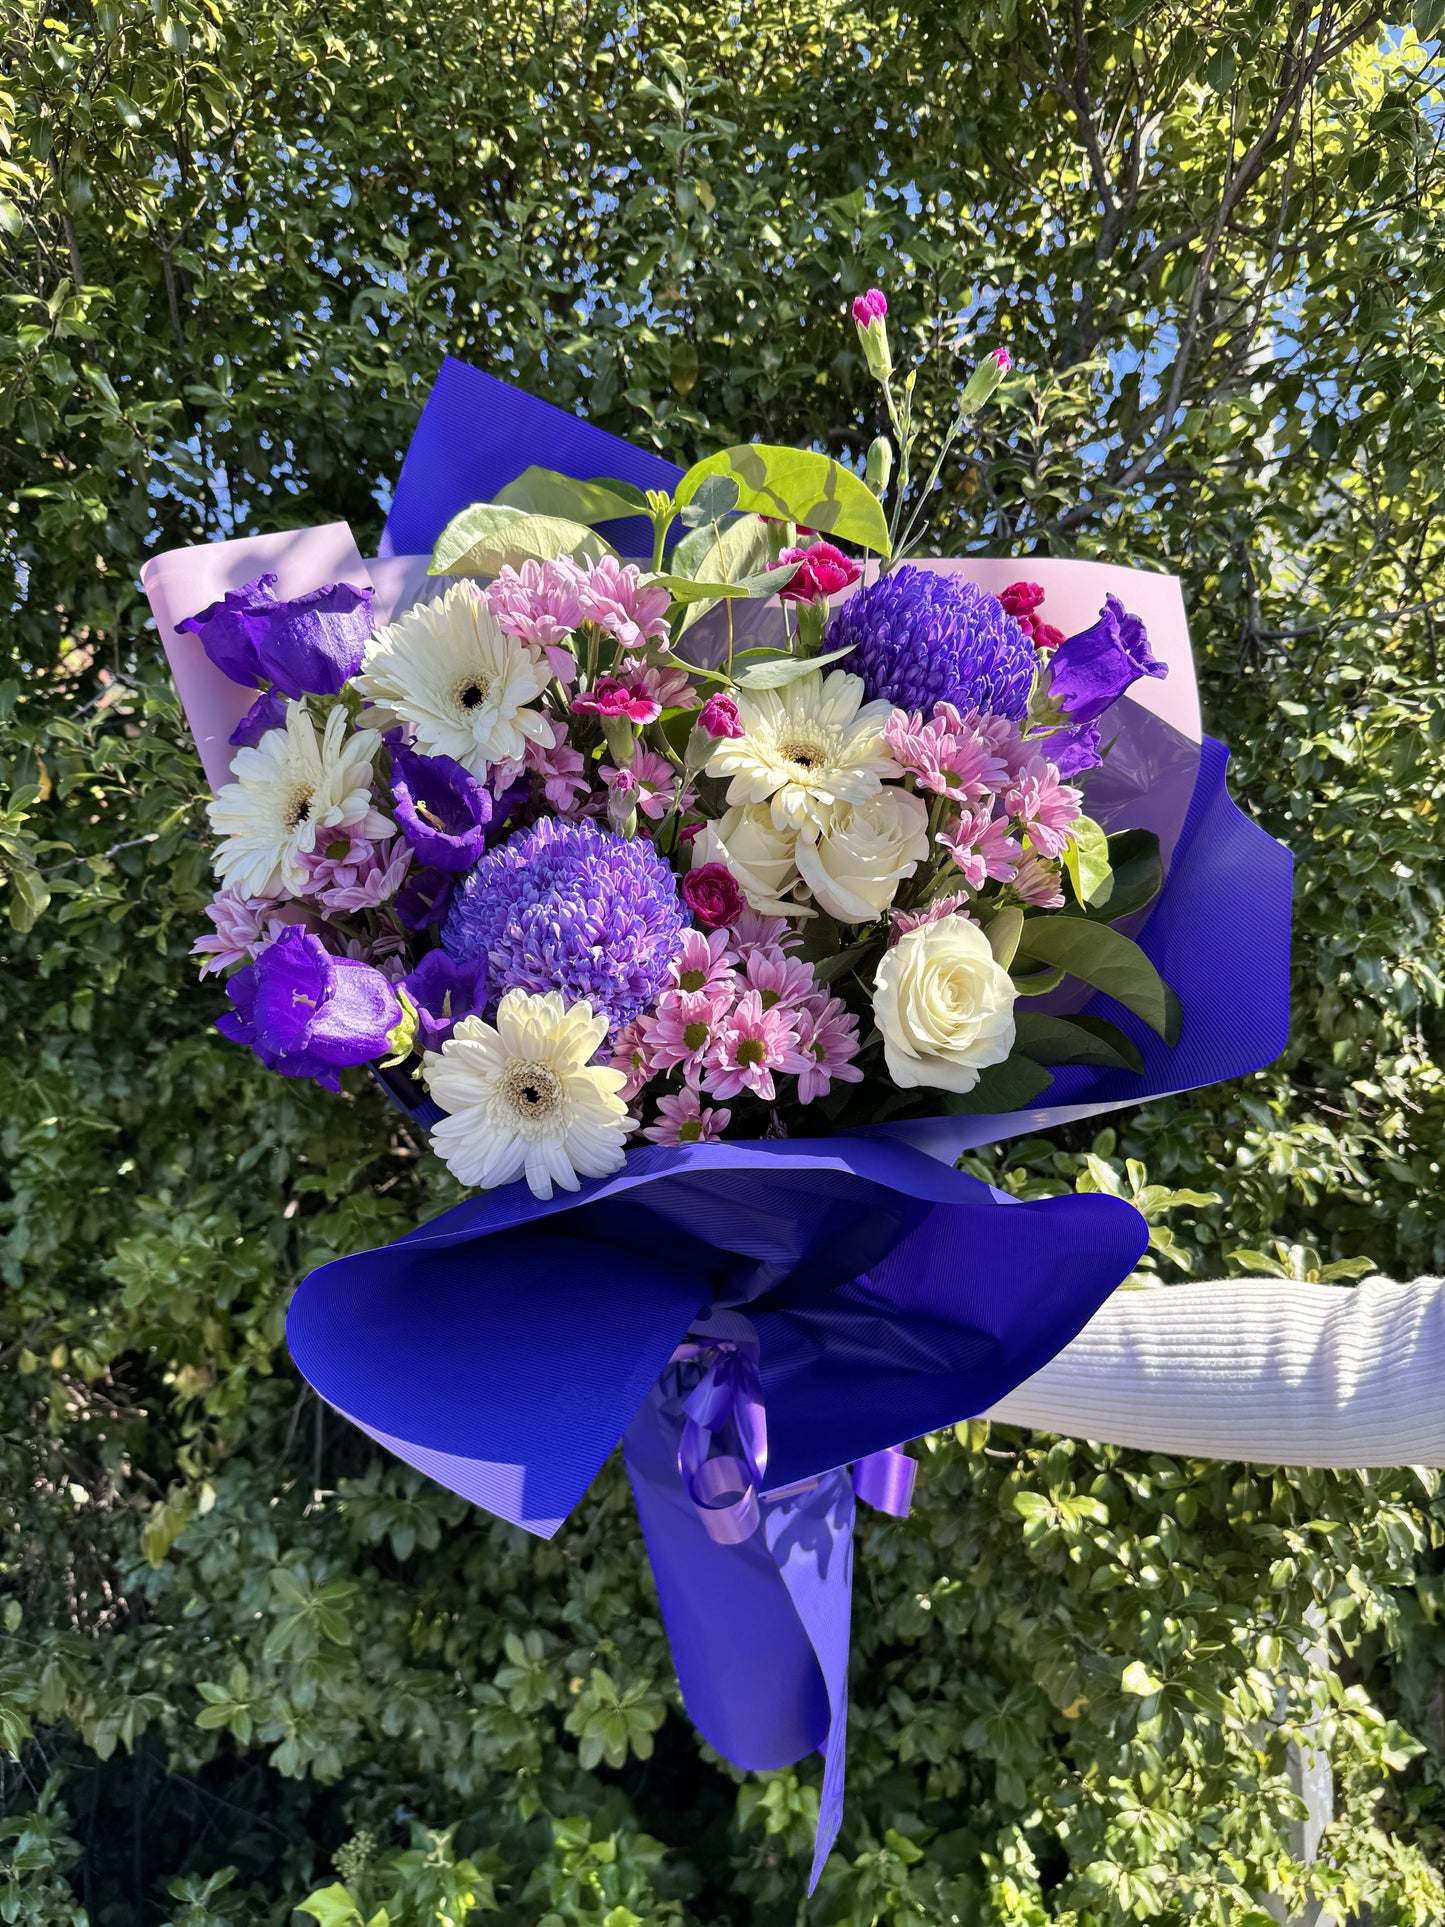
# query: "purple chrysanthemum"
565 906
920 639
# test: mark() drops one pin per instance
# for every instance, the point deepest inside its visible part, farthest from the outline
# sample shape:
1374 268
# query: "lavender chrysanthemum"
920 639
566 906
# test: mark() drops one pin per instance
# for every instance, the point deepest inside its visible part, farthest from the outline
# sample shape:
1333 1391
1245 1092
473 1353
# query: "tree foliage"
245 1659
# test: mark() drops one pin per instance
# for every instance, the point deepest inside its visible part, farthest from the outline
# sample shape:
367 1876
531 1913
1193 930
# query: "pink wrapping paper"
182 582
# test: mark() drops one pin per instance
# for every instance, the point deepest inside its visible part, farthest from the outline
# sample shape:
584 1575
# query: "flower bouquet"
703 906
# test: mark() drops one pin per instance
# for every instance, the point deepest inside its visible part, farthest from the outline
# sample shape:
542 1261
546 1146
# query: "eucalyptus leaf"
1103 957
491 536
546 491
783 670
1075 1040
796 485
716 497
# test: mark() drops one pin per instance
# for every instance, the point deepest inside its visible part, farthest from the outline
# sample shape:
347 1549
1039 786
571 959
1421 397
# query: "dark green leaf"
1075 1040
1102 957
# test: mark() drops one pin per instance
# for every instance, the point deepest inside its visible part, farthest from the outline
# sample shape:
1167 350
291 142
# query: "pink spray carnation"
822 571
612 698
685 1119
612 595
1021 600
667 684
712 894
870 307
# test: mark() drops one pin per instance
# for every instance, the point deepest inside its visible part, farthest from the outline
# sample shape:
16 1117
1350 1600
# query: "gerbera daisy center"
297 808
533 1090
472 693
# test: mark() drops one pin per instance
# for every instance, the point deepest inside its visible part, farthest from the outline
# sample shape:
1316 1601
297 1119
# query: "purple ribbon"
726 1403
885 1481
726 1487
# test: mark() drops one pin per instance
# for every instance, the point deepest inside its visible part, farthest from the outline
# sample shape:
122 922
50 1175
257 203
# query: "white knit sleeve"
1284 1374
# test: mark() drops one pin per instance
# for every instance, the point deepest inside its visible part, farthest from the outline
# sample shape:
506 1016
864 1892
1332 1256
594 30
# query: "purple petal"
306 644
441 809
1089 672
267 712
444 990
227 629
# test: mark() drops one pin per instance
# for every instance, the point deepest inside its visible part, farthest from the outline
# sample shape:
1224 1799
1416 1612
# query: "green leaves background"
243 1659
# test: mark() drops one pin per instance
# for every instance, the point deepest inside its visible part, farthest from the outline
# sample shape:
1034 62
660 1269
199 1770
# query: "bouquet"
691 865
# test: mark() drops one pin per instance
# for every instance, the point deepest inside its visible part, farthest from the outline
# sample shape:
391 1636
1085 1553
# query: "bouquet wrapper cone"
506 1347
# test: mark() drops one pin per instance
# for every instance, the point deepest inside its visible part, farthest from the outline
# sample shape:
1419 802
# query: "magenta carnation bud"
868 315
718 718
985 378
1004 360
711 893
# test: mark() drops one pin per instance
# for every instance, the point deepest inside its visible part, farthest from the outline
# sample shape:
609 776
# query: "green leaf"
1075 1040
797 485
1034 983
1010 1086
715 498
826 969
1086 857
489 536
1138 1679
547 492
1100 956
686 589
783 670
723 552
1003 933
1428 19
1136 877
333 1906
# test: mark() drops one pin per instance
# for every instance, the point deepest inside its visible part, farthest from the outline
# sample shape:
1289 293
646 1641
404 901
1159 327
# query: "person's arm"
1254 1369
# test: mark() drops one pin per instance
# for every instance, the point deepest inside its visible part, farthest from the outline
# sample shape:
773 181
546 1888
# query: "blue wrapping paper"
506 1347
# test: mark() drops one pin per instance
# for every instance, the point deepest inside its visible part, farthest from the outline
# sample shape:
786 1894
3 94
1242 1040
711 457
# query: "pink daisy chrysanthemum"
750 1045
685 1026
779 980
702 964
827 1043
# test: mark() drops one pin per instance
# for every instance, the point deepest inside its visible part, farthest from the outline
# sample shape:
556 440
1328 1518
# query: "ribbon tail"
759 1629
810 1535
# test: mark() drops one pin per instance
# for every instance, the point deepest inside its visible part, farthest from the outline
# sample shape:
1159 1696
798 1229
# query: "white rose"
757 852
944 1006
855 866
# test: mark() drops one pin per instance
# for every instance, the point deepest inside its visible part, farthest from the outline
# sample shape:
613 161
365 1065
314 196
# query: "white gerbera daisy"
447 670
806 748
288 793
524 1100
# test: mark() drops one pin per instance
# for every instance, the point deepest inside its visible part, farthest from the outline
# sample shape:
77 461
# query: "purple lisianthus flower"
1072 751
920 639
565 906
1089 672
306 1013
441 808
444 990
306 645
267 712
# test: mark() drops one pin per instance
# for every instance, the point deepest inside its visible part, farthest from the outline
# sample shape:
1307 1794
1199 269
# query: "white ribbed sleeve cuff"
1255 1368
